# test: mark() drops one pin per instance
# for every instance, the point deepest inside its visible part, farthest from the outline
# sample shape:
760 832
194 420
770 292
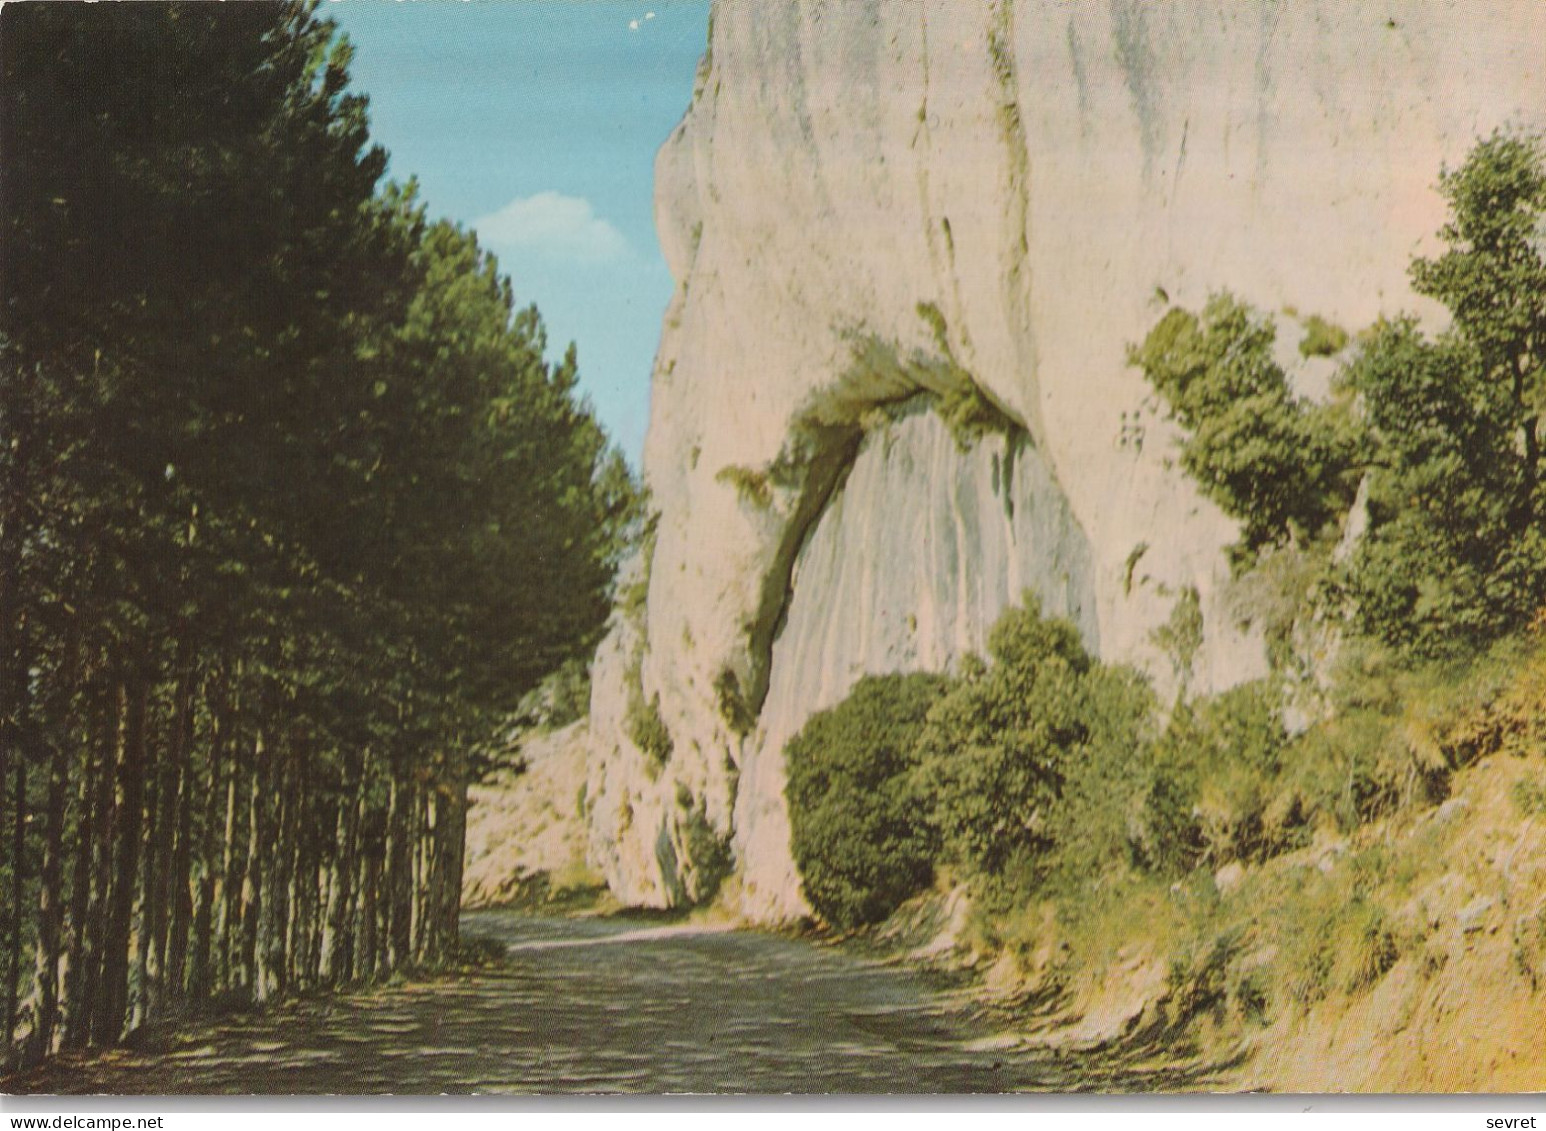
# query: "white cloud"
553 224
633 25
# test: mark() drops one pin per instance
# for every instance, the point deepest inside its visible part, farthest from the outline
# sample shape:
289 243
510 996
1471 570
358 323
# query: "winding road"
609 1005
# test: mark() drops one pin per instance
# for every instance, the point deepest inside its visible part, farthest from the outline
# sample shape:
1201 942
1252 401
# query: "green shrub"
859 835
646 729
1198 981
969 415
1322 338
1529 949
1101 824
995 748
1181 637
1365 946
734 708
1529 797
963 407
1340 944
1279 464
753 485
708 856
1213 782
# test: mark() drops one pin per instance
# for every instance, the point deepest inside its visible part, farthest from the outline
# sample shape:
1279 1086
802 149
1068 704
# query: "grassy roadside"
1401 948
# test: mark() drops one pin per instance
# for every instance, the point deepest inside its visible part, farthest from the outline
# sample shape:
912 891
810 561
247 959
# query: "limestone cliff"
871 200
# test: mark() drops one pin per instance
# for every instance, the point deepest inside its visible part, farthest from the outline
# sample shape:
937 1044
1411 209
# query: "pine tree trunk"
125 868
251 888
218 803
453 845
173 945
78 983
229 928
139 965
50 898
17 897
161 844
92 925
341 946
16 427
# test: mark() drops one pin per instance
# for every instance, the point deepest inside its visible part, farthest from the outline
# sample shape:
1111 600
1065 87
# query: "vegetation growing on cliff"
1444 431
1271 872
1281 465
964 408
646 728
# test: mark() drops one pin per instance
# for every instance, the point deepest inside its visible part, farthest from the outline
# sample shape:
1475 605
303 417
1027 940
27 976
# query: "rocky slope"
526 829
870 199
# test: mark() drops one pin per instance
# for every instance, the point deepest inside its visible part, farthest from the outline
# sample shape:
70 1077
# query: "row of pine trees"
292 506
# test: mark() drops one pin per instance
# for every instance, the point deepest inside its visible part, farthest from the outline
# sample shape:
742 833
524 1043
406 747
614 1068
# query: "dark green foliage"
1267 457
709 856
292 510
859 835
1455 556
996 748
1445 432
730 698
1451 560
1322 338
1212 782
1493 275
1032 767
646 729
1100 823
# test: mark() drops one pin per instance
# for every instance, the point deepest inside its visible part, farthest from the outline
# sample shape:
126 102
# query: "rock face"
871 199
525 831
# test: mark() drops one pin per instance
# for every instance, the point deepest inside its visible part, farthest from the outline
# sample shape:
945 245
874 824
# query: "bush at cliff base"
859 837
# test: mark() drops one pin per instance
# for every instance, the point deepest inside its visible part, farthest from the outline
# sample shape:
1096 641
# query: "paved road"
608 1006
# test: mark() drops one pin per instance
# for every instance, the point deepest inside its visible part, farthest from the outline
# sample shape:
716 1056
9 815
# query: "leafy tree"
1444 432
997 747
1097 825
1454 557
1493 280
1444 565
859 836
1267 457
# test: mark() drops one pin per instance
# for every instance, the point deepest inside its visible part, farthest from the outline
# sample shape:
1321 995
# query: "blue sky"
536 122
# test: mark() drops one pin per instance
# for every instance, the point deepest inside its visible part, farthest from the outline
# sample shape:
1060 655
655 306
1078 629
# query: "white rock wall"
1048 175
913 561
